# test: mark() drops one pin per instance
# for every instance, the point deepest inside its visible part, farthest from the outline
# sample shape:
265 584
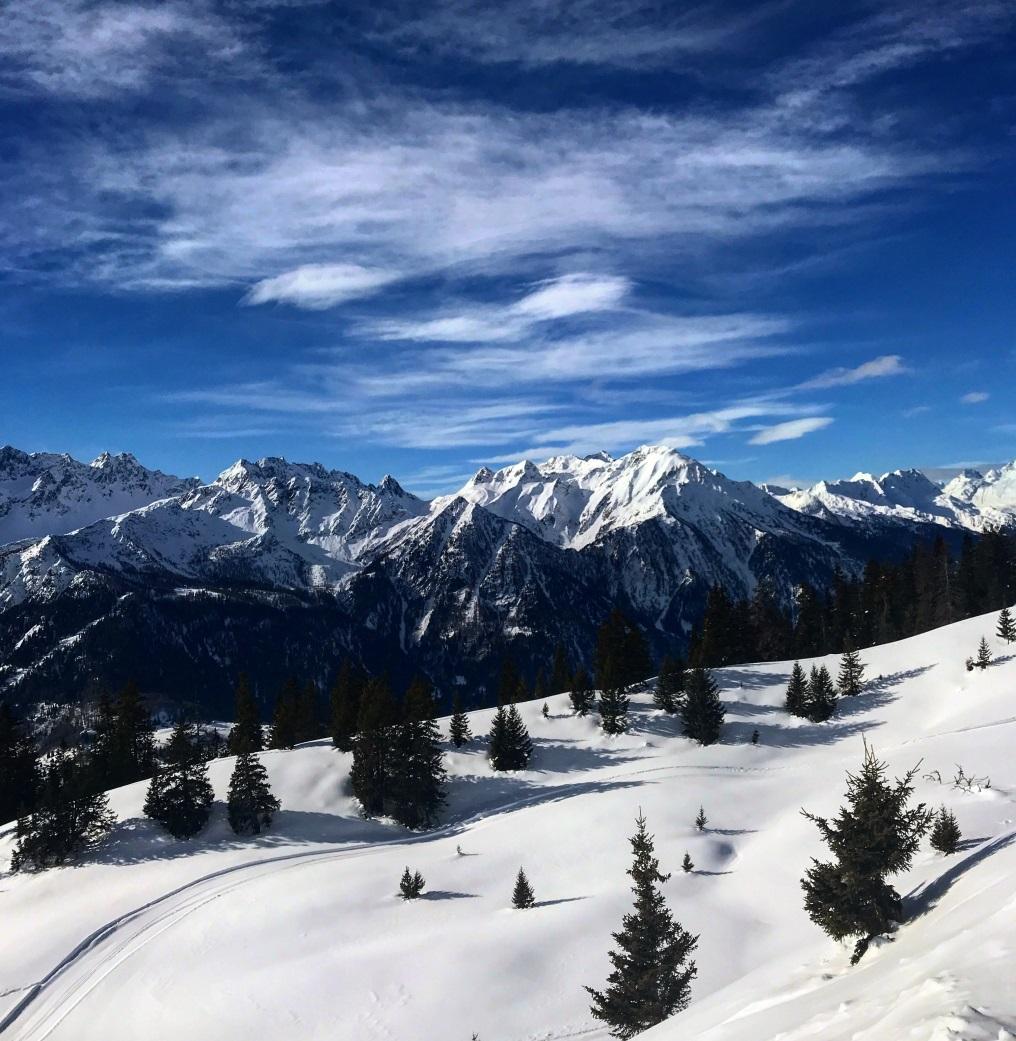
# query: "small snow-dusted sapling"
522 896
701 820
411 884
546 711
754 736
458 725
687 864
1006 626
983 659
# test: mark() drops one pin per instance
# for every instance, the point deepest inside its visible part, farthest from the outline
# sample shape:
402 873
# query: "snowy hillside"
300 934
970 500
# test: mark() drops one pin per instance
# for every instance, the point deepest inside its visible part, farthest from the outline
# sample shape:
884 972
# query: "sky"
420 238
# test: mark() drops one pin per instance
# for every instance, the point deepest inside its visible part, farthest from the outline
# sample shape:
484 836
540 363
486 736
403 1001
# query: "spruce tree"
821 704
411 884
522 896
687 864
703 712
68 820
1006 626
458 725
797 692
344 701
245 735
613 706
419 703
851 678
307 716
560 673
372 747
581 695
669 691
983 659
415 782
510 745
701 820
124 747
19 771
250 804
285 719
945 832
652 974
875 836
509 683
180 795
545 711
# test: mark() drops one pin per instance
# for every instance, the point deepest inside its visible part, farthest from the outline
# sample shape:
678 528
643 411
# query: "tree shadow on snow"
560 900
811 734
446 894
882 683
564 755
925 897
742 679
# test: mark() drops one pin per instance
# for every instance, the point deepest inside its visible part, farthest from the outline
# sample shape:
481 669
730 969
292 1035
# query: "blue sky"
420 238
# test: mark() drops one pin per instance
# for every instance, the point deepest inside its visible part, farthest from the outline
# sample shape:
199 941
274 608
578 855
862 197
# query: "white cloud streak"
791 430
877 368
975 397
319 286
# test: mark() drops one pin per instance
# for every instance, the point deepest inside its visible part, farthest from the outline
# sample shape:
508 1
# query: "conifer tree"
509 683
510 745
285 719
875 836
411 884
539 686
522 896
613 706
415 782
124 746
622 657
983 659
419 703
701 820
851 678
68 818
687 864
245 735
755 736
669 691
652 968
458 725
703 712
581 695
250 804
180 795
307 717
560 675
372 747
19 771
797 692
945 832
821 704
545 711
1006 626
344 703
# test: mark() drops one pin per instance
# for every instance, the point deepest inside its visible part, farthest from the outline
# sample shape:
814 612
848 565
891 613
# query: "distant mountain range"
110 570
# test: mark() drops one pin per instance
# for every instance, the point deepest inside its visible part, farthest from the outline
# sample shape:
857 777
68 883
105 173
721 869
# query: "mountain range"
110 570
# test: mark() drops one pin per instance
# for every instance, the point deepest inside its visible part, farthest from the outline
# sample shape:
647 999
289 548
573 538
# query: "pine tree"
509 683
797 692
245 735
539 686
613 706
344 703
669 691
652 974
124 746
458 725
68 819
755 736
283 733
180 795
545 711
1006 626
983 659
560 674
945 832
702 715
19 771
372 747
414 789
510 745
522 896
851 678
411 884
581 695
821 704
701 820
307 716
419 704
687 864
622 657
250 804
874 837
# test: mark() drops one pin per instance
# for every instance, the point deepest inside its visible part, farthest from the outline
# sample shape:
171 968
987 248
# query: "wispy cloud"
915 410
791 430
319 286
975 397
877 368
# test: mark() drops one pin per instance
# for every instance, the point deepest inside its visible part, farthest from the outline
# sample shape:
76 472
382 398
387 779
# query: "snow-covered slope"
970 500
42 493
300 934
